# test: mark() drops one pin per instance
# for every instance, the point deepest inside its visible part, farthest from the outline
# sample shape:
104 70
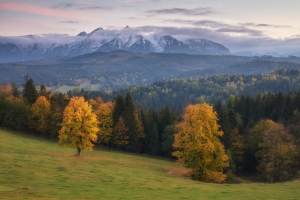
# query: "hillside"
122 69
34 168
178 93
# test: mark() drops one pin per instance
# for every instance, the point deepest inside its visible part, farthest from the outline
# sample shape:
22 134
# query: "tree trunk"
78 151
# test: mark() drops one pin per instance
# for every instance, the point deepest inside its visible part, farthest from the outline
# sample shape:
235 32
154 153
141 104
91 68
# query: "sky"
240 25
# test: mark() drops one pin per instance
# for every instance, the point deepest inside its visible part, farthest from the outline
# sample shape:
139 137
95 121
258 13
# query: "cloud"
254 42
211 23
219 26
182 11
39 10
139 1
64 6
132 1
32 9
95 7
265 25
69 22
204 23
240 30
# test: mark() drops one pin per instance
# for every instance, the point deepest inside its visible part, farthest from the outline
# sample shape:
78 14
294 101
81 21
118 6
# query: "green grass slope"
32 168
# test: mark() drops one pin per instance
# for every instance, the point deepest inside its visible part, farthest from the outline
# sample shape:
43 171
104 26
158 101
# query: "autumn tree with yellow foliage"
104 113
38 118
198 146
79 126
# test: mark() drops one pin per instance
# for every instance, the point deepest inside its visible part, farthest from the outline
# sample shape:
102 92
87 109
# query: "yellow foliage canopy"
5 91
39 115
198 146
79 126
104 113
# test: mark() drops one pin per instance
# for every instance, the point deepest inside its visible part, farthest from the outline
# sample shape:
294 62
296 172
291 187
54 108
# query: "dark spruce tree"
118 108
15 91
43 90
29 91
134 144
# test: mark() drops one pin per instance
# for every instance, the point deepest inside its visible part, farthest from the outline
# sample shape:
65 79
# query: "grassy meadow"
33 168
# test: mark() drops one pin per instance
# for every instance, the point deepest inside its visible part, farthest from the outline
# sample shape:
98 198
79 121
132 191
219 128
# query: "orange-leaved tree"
79 126
39 115
120 134
104 113
198 146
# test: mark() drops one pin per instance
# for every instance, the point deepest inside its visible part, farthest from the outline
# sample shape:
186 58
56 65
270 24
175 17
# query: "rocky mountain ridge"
33 47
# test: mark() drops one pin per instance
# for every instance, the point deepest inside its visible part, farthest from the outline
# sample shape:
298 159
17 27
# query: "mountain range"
34 47
266 54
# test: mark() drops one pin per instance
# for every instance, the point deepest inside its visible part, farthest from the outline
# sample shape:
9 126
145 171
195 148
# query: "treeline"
37 111
261 134
178 93
121 125
114 70
121 69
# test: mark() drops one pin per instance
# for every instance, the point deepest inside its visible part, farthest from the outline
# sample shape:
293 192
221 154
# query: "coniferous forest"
258 115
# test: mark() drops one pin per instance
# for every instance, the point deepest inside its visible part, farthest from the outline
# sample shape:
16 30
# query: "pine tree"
15 91
120 134
134 124
168 140
43 90
118 108
29 91
236 147
58 104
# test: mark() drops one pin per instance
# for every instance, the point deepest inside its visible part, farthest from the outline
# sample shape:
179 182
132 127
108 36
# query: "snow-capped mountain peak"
204 46
32 47
98 31
83 34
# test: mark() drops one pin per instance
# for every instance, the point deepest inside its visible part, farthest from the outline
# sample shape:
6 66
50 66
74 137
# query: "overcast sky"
240 25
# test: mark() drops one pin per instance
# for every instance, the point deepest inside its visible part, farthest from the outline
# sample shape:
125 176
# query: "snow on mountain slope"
142 45
32 47
129 41
202 46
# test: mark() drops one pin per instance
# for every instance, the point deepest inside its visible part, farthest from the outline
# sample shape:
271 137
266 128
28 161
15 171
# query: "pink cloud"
33 9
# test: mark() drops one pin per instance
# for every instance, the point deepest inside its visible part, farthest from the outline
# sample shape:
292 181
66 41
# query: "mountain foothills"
122 69
33 47
178 93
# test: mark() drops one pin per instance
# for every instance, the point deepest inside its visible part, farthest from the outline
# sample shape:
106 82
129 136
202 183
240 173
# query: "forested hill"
178 93
121 69
248 68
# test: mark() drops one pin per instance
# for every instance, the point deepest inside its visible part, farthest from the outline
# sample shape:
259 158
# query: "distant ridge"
34 47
